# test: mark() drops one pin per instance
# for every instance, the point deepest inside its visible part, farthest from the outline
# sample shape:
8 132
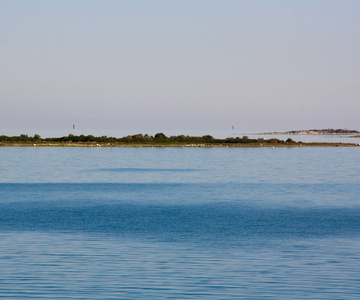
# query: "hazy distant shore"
329 131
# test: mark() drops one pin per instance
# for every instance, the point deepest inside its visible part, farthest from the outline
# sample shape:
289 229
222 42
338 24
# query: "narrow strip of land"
158 140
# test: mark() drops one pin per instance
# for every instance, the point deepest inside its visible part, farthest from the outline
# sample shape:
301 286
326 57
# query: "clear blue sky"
270 65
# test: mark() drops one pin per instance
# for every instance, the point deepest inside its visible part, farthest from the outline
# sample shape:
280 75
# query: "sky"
181 64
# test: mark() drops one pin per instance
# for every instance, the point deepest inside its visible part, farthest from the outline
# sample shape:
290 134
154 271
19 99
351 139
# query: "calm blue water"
174 223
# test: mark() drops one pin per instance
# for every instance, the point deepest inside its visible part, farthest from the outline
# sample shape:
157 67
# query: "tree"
207 137
160 136
138 136
147 138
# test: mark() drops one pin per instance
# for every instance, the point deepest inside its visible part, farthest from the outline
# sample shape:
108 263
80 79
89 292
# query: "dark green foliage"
160 136
179 138
24 137
237 140
207 138
138 139
147 138
274 141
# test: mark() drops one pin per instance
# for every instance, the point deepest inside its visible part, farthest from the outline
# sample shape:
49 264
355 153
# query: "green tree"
160 136
207 137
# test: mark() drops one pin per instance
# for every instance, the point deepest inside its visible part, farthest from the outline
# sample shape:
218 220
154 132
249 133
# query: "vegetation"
158 140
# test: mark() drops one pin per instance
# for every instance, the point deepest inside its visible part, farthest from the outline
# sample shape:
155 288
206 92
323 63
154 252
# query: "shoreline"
160 140
177 145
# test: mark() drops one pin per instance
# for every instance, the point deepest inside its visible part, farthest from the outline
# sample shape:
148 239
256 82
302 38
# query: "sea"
179 223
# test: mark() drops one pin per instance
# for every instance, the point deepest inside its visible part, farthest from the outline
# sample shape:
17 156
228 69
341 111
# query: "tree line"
140 138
